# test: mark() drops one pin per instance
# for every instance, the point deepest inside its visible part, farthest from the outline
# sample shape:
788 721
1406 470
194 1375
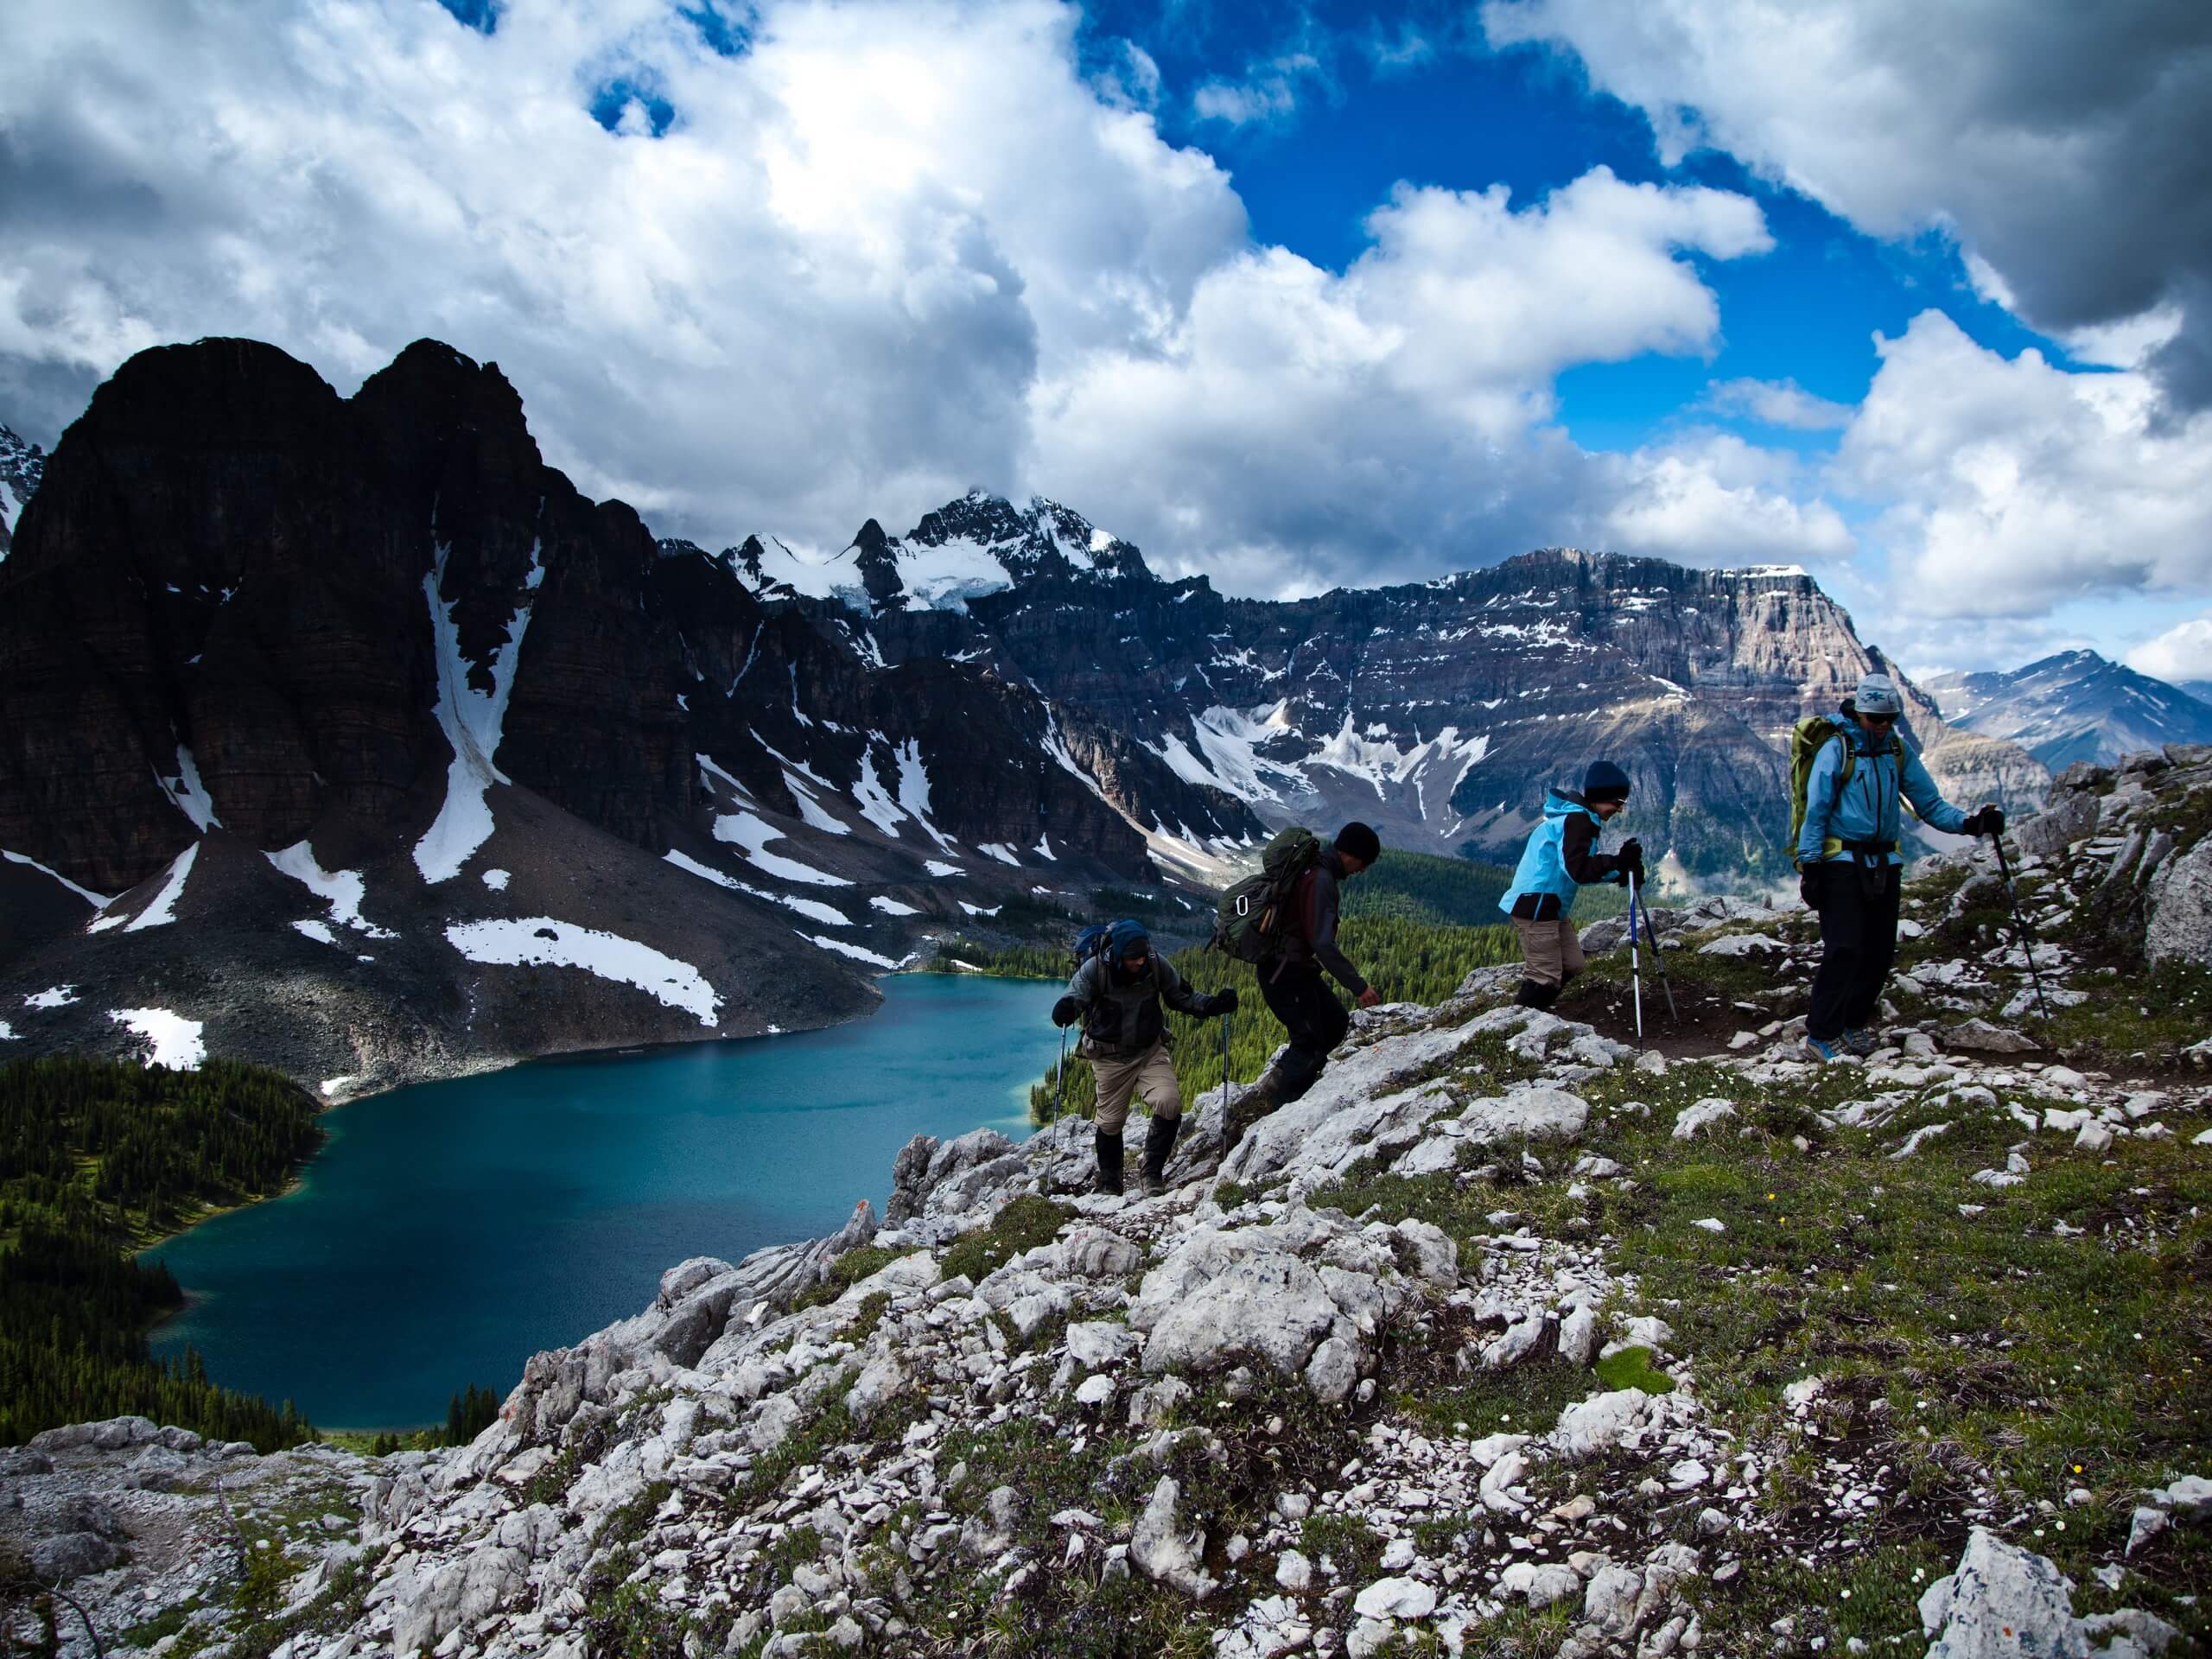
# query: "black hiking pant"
1859 941
1300 998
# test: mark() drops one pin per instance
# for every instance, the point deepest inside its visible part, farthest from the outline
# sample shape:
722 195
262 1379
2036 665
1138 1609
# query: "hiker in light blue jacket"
1561 858
1849 867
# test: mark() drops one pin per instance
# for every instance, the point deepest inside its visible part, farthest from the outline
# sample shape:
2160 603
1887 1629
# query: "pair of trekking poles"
1060 1091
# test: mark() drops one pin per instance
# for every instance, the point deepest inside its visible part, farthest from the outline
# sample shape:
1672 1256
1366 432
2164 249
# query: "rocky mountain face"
22 464
1227 1411
1440 711
2076 706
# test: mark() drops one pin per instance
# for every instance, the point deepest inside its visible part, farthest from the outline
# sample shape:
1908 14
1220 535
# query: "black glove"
1990 821
1066 1011
1221 1002
1809 885
1631 861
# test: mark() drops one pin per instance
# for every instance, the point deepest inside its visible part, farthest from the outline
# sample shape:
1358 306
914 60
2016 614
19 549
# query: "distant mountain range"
2074 706
347 733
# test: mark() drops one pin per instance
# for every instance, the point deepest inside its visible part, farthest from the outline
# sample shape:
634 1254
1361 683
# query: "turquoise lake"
449 1231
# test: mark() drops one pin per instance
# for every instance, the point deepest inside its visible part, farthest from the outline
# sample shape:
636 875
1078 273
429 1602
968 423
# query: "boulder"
1094 1344
1979 1036
71 1555
1269 1306
1165 1551
2180 928
1703 1114
1603 1423
1528 1114
2001 1603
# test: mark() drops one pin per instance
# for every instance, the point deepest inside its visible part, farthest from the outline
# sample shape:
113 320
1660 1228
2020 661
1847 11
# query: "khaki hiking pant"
1553 953
1151 1075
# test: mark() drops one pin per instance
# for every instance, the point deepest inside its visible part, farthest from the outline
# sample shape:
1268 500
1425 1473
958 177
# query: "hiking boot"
1861 1042
1823 1051
1158 1142
1534 993
1108 1147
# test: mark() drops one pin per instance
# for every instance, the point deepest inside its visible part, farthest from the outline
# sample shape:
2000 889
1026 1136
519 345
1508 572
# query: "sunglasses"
1879 720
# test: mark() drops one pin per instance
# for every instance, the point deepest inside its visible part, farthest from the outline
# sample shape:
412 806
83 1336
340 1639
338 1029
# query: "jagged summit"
2075 705
22 464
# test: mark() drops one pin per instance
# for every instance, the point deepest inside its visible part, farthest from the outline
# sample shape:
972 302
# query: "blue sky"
1871 289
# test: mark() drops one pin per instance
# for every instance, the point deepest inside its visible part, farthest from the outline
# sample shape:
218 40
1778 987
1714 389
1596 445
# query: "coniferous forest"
98 1159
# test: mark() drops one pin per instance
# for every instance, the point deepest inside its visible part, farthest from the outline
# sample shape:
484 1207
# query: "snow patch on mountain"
172 1040
811 908
541 941
187 794
751 836
892 906
810 810
471 720
162 911
869 793
858 953
343 890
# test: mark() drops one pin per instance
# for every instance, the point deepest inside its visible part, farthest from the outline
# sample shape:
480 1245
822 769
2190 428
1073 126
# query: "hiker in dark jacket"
1849 867
1118 995
1293 986
1560 858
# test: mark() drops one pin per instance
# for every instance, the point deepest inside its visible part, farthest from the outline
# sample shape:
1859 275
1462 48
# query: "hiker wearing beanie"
1849 867
1561 857
1294 987
1117 994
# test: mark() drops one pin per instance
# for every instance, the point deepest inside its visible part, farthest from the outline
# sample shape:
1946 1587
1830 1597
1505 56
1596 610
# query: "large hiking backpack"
1807 739
1248 924
1092 942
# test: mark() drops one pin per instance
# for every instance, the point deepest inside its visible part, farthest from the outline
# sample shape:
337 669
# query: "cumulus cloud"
1392 421
2065 146
1268 92
1776 402
1715 499
2183 652
2015 486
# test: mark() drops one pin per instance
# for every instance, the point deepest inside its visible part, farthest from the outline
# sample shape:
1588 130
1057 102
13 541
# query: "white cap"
1877 694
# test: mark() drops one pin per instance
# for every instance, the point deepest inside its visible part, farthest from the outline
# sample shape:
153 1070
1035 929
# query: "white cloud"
1299 427
2015 486
1776 402
2064 145
1715 499
1269 91
2182 652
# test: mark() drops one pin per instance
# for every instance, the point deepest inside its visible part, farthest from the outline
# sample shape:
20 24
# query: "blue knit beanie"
1604 782
1128 938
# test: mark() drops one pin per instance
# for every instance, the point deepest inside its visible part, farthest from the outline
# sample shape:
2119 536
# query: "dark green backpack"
1248 923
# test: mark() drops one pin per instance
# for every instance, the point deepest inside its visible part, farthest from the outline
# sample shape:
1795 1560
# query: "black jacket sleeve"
1321 932
1577 851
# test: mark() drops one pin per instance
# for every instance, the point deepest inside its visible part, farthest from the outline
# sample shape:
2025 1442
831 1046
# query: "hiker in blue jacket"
1561 858
1849 868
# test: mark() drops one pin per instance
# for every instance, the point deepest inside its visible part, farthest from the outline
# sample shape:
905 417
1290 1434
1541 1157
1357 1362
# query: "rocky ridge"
2076 706
1405 1367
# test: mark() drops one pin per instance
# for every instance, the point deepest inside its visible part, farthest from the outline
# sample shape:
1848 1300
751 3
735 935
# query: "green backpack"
1807 739
1248 924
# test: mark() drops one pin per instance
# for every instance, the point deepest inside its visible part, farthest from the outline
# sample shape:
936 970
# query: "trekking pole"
1659 961
2022 932
1635 973
1060 1093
